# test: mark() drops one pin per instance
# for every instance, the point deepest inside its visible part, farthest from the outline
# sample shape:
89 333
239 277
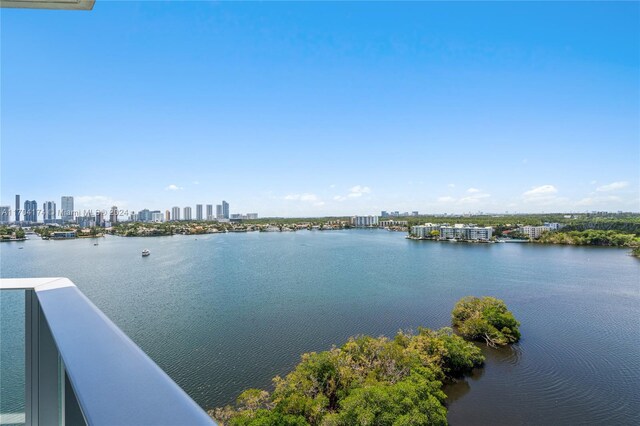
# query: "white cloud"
543 195
301 197
612 186
452 185
595 200
474 198
358 191
355 192
173 187
538 191
195 182
473 190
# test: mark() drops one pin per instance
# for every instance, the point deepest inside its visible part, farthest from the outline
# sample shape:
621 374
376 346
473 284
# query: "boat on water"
145 252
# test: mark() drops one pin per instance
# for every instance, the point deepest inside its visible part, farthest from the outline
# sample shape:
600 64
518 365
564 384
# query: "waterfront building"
187 213
466 232
31 211
63 235
133 217
364 221
424 231
49 211
113 215
252 216
219 211
4 214
17 208
167 215
198 211
534 232
391 223
66 204
209 214
384 214
175 213
225 210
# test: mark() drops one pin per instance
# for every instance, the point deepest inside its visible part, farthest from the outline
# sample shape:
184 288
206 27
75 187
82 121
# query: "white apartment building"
424 231
534 232
364 221
466 232
157 217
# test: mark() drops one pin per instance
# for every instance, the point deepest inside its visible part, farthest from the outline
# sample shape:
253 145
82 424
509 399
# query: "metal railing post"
42 393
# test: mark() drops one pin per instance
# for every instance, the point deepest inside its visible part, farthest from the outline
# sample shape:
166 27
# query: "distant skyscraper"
167 215
30 211
66 204
198 211
225 209
49 211
99 218
187 213
144 215
17 208
4 214
219 211
113 215
175 213
210 212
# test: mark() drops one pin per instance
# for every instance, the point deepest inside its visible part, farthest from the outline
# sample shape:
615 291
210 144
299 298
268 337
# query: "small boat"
145 252
95 244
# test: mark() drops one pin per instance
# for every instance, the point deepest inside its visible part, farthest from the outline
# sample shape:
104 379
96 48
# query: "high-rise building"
4 214
113 215
30 211
17 208
99 218
49 211
66 204
198 211
219 211
187 213
210 212
144 215
225 209
175 213
156 216
167 216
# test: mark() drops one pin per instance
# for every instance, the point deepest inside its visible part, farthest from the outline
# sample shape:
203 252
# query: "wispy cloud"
173 187
474 198
305 197
355 192
452 185
541 195
612 186
473 190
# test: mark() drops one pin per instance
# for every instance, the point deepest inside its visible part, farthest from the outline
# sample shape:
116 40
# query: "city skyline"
356 108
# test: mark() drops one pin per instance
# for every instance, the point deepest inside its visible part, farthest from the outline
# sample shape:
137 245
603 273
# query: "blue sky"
313 109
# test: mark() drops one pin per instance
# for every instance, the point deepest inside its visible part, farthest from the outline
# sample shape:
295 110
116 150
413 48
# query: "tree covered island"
378 381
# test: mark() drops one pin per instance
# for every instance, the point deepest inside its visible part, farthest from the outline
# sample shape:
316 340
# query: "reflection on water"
227 312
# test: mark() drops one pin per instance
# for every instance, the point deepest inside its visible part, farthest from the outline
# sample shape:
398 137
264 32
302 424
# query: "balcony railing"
82 369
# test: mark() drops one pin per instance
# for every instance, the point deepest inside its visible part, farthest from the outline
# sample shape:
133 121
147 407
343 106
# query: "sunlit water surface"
221 313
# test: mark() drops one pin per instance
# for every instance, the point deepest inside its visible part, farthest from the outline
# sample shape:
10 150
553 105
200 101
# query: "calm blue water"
221 313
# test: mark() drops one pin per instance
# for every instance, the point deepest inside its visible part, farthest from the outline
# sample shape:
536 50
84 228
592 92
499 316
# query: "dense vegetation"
485 319
367 381
591 238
